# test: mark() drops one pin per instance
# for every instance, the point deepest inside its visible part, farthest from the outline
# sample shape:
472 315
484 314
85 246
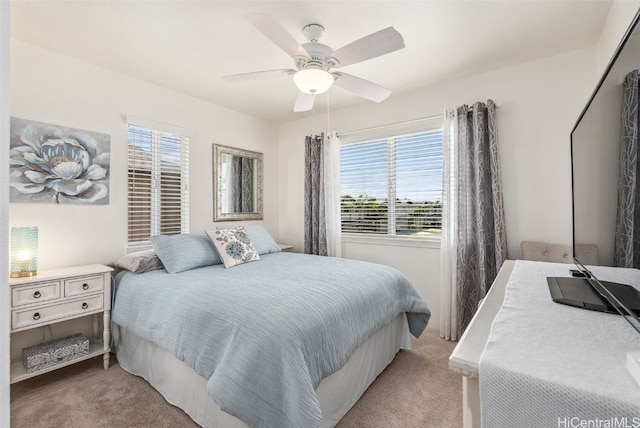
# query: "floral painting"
51 163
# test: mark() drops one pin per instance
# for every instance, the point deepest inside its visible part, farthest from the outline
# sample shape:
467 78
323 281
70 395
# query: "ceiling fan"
313 61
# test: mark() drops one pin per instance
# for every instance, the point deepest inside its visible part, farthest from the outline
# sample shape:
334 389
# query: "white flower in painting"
65 168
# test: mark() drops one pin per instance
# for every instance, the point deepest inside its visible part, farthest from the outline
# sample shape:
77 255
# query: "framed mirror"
237 184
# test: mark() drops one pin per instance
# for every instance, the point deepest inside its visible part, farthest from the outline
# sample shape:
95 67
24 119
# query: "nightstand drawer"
46 314
37 293
80 286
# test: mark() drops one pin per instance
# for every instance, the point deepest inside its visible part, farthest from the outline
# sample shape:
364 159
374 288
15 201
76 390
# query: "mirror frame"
218 215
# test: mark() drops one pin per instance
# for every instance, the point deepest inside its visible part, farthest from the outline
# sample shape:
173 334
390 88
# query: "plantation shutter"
393 185
158 177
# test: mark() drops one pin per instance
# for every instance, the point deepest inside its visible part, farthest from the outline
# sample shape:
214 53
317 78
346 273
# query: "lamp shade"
313 81
24 251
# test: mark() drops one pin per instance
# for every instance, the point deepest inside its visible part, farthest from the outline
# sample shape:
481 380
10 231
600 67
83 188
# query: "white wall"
539 102
51 88
620 16
5 294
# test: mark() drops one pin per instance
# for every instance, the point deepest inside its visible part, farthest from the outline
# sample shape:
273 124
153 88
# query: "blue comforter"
265 333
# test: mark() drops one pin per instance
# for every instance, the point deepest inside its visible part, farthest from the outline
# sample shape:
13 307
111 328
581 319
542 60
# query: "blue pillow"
185 251
260 238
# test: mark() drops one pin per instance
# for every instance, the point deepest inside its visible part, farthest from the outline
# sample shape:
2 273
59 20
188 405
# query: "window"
158 178
406 169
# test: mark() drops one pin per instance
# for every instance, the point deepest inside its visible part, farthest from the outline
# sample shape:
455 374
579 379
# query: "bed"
289 340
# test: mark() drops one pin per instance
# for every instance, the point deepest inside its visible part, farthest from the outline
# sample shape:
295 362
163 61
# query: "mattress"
183 387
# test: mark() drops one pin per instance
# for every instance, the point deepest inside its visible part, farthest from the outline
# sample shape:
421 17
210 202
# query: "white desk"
543 358
465 358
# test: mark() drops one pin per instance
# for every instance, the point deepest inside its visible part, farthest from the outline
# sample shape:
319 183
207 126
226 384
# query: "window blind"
393 186
158 193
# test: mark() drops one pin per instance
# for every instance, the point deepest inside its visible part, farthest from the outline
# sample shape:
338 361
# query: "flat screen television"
595 174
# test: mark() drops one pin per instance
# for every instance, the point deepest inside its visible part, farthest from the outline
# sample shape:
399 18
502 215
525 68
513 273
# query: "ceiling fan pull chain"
313 120
328 115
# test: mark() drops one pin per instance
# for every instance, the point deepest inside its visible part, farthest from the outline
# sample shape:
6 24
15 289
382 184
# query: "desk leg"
470 402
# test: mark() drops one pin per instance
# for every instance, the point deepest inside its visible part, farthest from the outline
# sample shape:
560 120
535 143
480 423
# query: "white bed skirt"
184 388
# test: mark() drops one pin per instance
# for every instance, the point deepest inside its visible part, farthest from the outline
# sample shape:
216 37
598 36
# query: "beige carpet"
416 390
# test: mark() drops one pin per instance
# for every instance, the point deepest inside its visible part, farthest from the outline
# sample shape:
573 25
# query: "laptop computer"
579 293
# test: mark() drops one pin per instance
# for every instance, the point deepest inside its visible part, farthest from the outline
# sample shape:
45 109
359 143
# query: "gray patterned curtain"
481 236
627 239
315 234
242 184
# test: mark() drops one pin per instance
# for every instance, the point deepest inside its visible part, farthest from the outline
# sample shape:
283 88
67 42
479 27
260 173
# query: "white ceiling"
188 45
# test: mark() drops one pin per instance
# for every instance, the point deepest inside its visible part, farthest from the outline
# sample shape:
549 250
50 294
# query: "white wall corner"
620 17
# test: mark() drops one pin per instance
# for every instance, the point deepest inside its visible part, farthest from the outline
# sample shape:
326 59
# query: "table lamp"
24 251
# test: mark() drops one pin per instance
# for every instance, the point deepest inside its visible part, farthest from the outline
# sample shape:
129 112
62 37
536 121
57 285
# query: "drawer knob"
36 316
85 305
36 295
85 286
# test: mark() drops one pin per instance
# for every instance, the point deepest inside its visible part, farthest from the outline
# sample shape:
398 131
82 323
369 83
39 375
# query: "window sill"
399 241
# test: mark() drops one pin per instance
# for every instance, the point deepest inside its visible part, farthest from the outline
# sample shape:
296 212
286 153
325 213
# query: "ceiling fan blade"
362 87
304 102
376 44
277 34
257 75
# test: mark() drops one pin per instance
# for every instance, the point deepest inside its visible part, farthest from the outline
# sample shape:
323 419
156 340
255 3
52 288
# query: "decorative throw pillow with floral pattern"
233 245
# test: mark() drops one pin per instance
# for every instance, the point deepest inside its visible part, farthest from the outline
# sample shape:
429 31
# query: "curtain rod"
375 128
470 108
408 122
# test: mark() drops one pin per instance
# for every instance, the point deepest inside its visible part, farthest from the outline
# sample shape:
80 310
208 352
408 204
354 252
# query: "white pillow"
260 238
233 246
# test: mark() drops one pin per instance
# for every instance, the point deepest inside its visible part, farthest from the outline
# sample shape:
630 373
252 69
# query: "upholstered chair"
587 254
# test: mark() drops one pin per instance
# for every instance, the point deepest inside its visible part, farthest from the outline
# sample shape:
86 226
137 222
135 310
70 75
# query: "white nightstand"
59 295
286 247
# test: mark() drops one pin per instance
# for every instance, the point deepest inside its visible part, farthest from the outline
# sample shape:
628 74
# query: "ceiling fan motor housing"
319 54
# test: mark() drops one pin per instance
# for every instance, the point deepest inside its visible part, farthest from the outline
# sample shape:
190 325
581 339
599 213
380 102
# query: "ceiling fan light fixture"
313 81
